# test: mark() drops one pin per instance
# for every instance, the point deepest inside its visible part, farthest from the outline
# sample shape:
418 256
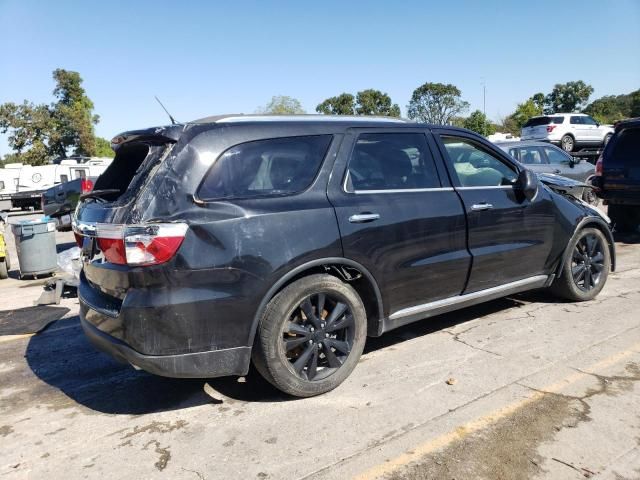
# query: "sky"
211 57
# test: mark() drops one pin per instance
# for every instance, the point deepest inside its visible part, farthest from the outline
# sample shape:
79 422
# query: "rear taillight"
149 244
79 239
599 166
86 185
550 128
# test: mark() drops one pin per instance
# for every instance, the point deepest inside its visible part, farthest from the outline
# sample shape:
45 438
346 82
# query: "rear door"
533 157
509 237
399 216
577 127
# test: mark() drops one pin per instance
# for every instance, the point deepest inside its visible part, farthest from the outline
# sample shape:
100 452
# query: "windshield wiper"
99 193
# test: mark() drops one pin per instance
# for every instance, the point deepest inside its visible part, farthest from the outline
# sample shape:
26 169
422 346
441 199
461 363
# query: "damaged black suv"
286 241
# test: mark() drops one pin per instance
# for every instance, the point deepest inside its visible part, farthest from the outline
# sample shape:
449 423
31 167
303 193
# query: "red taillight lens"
550 128
149 244
86 185
599 166
113 250
79 239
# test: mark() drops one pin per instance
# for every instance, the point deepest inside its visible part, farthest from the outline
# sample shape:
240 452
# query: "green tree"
103 148
479 123
538 101
436 103
568 97
283 105
374 102
524 111
635 104
343 104
38 133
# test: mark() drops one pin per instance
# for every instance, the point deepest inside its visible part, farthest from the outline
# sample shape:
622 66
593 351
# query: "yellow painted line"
9 338
480 423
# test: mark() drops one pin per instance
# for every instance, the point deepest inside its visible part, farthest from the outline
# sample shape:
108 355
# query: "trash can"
36 246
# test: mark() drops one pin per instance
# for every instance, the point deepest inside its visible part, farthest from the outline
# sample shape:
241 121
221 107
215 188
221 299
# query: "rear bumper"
213 363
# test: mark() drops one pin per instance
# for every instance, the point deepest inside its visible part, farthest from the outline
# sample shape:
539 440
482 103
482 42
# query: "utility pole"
484 97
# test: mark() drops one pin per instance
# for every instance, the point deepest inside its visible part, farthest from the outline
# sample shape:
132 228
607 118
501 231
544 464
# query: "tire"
625 218
7 260
4 269
567 143
282 351
606 139
588 249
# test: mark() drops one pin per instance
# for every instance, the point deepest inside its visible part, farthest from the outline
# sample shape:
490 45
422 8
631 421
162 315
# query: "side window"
475 166
531 156
64 178
277 166
589 121
391 161
556 156
81 173
576 120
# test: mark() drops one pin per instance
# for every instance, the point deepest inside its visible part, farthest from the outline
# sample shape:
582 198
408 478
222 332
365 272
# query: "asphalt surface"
522 387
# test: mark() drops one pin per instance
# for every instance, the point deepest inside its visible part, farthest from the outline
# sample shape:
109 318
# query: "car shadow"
62 357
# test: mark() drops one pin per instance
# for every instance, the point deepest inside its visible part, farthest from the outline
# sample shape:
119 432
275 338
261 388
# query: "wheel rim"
318 336
587 262
567 143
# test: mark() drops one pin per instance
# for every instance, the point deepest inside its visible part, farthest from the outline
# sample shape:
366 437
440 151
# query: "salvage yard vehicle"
287 240
60 201
617 178
570 131
541 157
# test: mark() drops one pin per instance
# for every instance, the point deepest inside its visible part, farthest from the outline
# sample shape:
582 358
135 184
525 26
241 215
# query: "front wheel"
567 143
586 267
311 336
4 269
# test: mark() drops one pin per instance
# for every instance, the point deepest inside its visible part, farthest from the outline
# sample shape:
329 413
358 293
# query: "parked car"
571 131
541 157
287 240
60 201
617 179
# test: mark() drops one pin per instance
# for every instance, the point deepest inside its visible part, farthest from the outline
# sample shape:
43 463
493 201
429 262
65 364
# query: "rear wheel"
625 218
586 267
567 143
311 336
4 268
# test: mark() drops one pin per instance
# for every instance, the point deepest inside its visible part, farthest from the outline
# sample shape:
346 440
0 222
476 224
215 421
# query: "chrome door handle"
478 207
364 217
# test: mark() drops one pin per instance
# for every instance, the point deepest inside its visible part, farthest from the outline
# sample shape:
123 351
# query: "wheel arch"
591 222
365 285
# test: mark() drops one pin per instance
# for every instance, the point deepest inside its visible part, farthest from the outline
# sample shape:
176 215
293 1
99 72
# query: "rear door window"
576 120
391 161
556 156
531 156
276 166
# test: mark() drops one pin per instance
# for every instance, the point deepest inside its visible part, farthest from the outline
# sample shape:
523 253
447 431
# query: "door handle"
364 217
557 170
478 207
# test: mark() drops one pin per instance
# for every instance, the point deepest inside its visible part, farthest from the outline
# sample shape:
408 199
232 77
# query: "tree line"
41 133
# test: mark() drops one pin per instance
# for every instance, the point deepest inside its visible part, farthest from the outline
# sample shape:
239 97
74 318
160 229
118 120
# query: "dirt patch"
156 427
163 452
6 430
508 448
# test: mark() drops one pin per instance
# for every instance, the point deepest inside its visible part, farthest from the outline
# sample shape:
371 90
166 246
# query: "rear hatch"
621 164
114 212
538 128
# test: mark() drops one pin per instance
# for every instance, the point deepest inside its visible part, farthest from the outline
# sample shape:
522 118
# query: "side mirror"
528 183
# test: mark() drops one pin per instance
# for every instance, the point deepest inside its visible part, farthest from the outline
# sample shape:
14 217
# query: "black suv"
617 178
288 240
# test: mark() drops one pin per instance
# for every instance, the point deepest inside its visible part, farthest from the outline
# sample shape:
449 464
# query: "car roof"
261 118
561 115
628 123
525 143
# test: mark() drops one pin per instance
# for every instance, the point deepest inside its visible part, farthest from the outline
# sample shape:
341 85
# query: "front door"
399 217
510 237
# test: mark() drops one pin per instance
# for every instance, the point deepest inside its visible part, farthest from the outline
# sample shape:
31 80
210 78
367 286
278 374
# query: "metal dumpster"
36 246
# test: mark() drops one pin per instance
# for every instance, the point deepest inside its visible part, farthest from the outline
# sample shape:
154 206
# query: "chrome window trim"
403 190
488 187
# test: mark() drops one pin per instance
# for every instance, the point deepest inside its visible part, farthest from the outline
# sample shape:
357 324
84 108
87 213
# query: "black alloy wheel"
318 336
587 263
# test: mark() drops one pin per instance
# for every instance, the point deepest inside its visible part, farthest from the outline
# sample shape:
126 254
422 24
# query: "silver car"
542 157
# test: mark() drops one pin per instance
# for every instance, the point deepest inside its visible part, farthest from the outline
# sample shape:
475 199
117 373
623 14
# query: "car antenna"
173 120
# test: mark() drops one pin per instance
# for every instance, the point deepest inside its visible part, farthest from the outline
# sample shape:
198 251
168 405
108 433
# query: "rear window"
537 121
626 149
276 166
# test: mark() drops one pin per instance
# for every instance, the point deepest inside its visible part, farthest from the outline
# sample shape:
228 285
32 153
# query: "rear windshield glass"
537 121
625 151
277 166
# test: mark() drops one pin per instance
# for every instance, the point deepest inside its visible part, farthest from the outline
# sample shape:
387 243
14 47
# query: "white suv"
571 131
